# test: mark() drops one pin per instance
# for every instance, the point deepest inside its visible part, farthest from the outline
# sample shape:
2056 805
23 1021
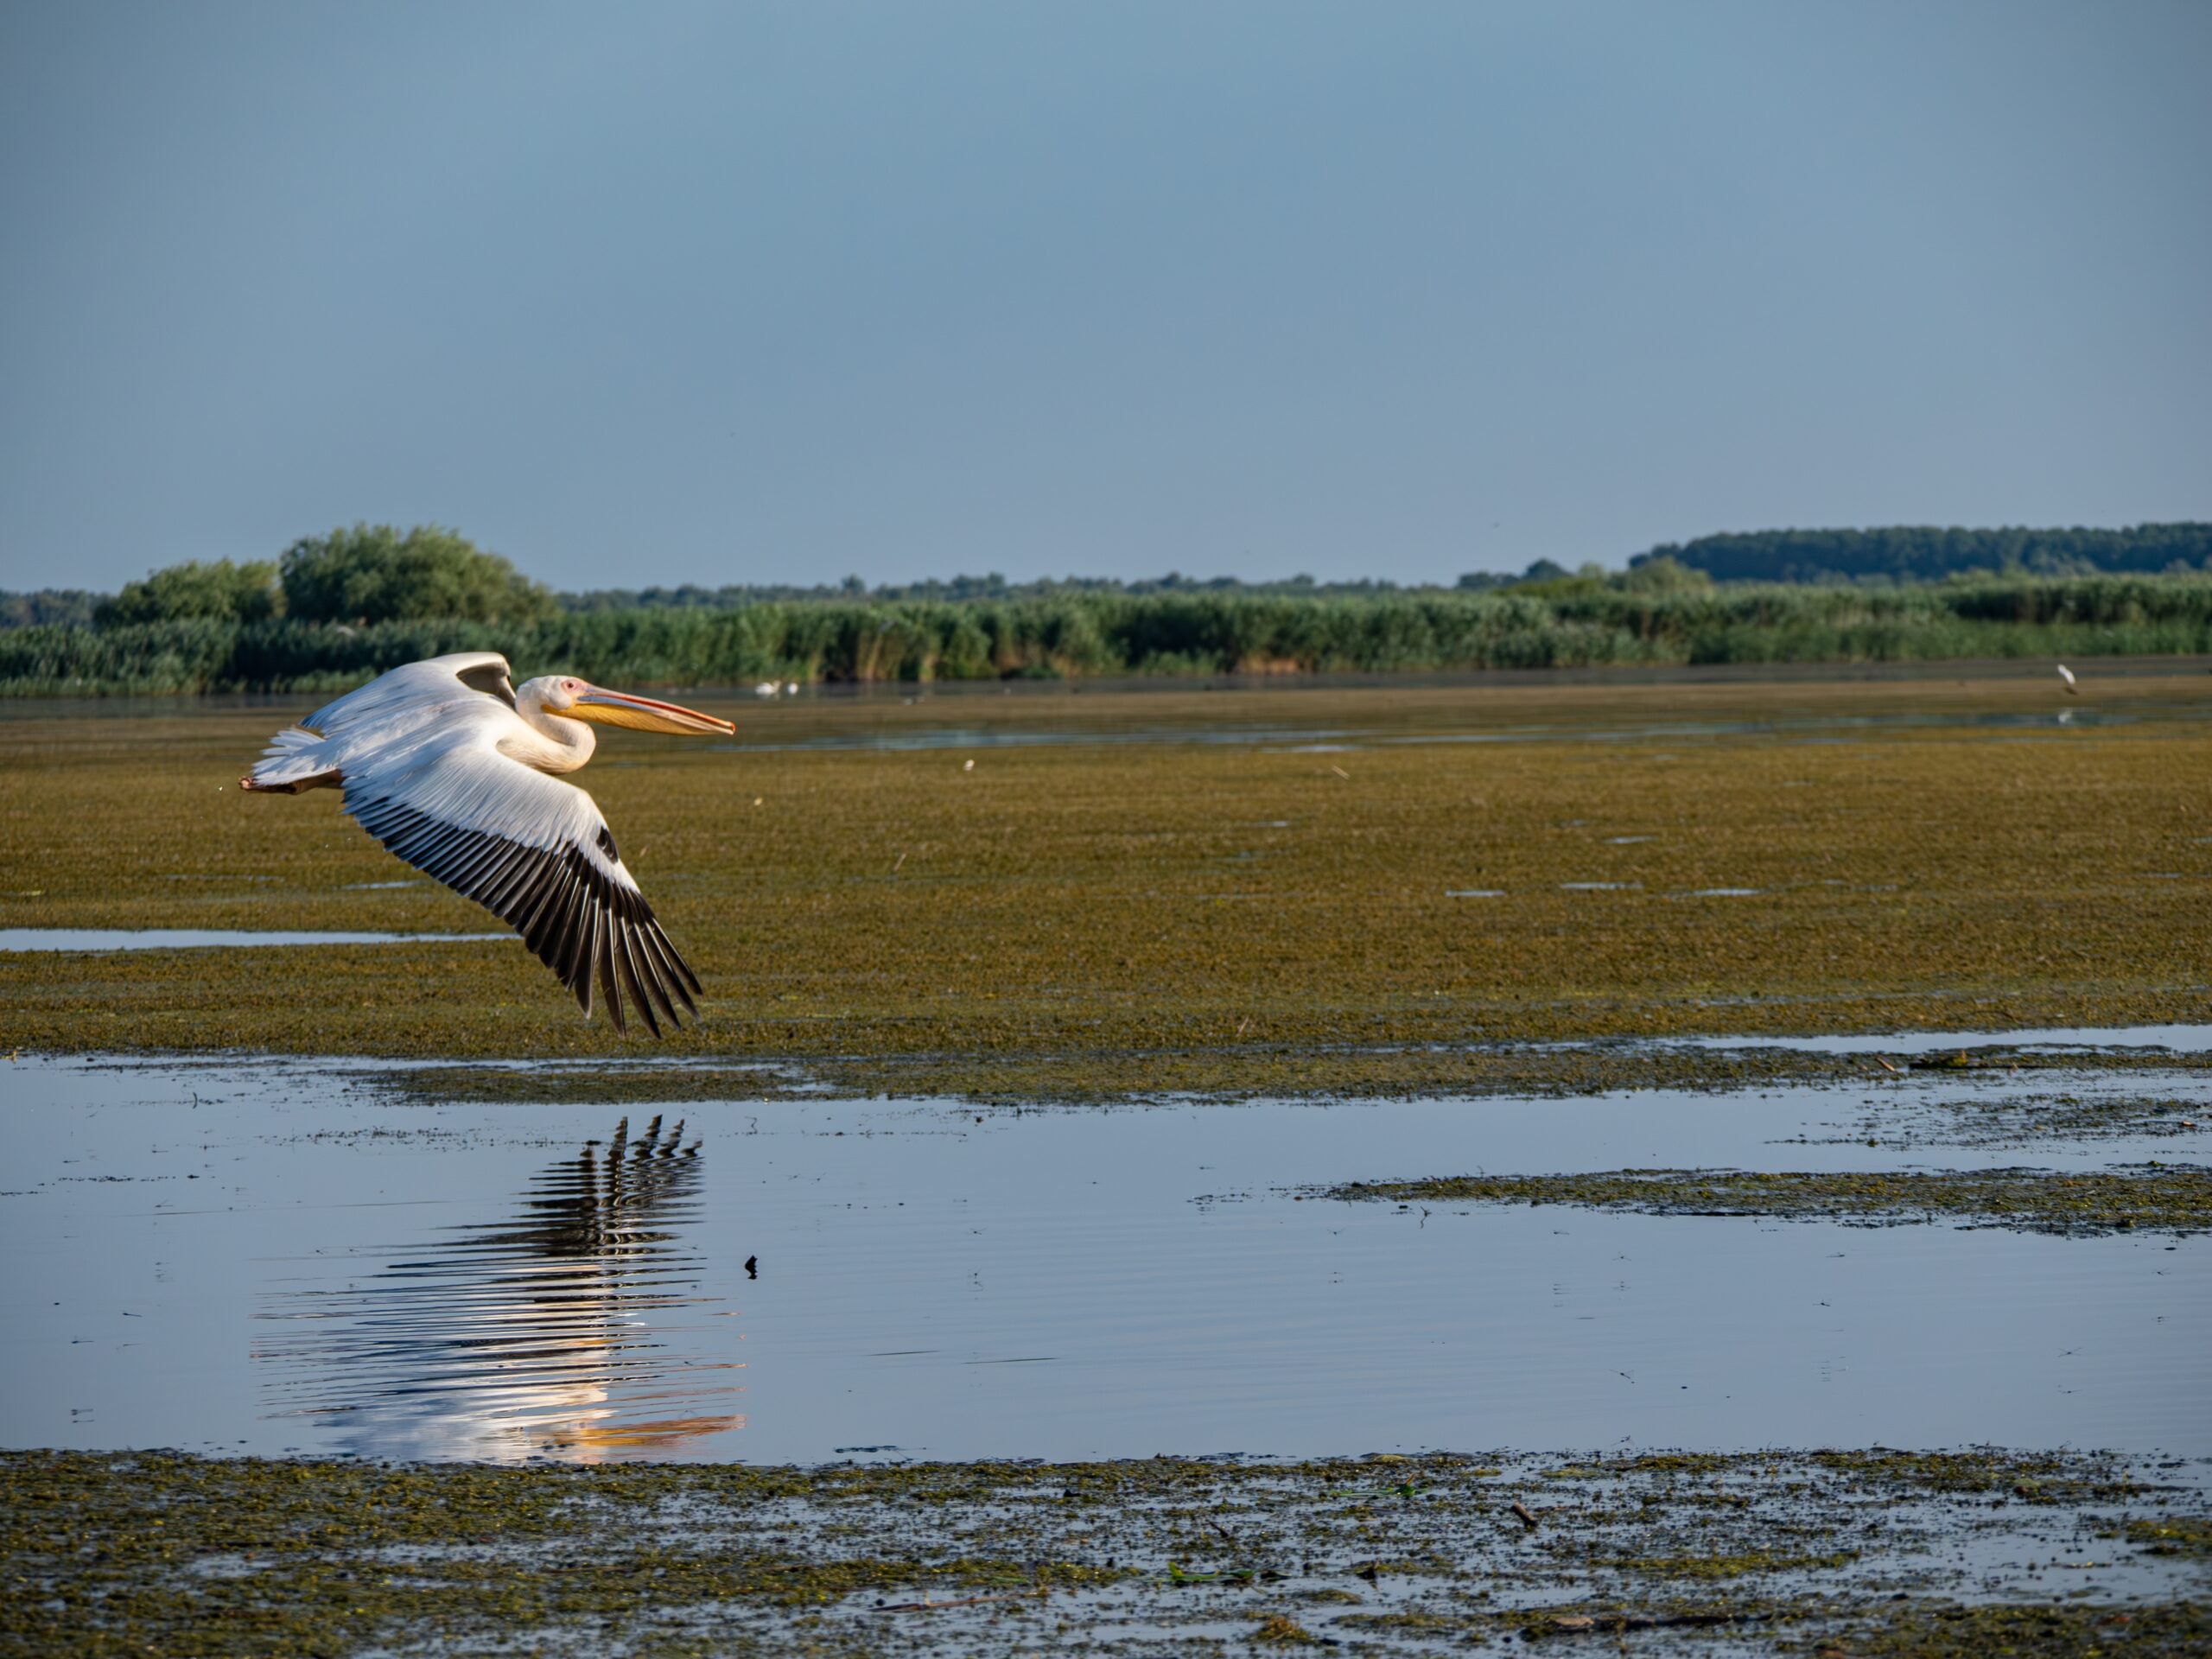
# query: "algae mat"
1800 1552
2159 1197
1277 889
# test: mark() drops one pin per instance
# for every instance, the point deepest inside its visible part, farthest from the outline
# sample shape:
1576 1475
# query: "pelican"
2066 676
455 771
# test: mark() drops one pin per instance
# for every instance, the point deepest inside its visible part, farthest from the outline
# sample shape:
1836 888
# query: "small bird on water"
453 769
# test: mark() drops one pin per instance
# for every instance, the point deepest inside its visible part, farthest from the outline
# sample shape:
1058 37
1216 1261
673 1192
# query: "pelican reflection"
556 1332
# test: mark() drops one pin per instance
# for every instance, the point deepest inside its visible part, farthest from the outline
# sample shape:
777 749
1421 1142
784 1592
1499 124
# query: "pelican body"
457 772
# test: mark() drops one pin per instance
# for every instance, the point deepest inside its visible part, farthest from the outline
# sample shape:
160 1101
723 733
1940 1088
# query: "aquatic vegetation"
1081 920
2013 1117
1734 1567
121 1553
2159 1198
1918 1631
1140 918
2175 1536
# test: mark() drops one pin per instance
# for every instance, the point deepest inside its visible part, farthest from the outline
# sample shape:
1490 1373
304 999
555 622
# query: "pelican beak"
605 707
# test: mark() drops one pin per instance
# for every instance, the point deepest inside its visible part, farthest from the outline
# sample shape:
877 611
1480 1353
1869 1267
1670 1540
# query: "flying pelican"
448 765
2066 675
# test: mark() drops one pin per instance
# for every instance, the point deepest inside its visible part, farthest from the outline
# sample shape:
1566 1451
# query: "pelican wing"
416 693
397 710
532 850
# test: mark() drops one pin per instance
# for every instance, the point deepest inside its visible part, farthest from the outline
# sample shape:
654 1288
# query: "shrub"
226 592
371 573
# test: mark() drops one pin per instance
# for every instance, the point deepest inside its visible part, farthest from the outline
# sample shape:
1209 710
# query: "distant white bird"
449 767
791 688
766 689
2067 675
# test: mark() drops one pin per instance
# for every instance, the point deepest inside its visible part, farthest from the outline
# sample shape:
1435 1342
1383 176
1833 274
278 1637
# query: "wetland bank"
1029 1087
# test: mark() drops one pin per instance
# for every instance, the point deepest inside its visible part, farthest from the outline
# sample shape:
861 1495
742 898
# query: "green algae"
1166 916
2159 1198
1236 1073
2179 1535
1979 1631
1953 1473
1734 1567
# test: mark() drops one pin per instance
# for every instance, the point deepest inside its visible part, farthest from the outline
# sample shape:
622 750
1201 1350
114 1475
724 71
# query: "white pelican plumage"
451 767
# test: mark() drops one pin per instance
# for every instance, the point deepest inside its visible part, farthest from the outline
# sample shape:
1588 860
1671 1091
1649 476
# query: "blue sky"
724 293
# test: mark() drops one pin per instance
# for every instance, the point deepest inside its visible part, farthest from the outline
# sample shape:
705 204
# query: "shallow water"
194 938
1339 739
279 1256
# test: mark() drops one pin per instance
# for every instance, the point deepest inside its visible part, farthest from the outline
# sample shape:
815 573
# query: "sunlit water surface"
277 1256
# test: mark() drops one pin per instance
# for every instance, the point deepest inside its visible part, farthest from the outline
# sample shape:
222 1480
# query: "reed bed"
1080 634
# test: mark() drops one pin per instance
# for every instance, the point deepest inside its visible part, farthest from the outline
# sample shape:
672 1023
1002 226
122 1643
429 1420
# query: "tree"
236 592
372 573
67 608
1662 575
1907 553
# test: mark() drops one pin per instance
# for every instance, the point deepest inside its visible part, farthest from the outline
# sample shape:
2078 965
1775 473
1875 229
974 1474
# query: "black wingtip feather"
626 972
649 972
606 963
657 946
599 938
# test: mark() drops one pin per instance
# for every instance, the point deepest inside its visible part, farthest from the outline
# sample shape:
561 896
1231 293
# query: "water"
1294 740
270 1256
194 938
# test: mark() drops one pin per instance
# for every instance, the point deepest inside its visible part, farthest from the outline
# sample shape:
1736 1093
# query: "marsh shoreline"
1661 857
1870 1551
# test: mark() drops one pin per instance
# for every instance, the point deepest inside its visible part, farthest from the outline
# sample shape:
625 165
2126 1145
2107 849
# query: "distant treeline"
1641 617
68 607
338 609
1913 554
960 590
374 572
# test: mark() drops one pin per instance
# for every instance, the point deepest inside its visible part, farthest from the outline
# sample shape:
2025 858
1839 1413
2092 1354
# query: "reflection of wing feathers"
536 854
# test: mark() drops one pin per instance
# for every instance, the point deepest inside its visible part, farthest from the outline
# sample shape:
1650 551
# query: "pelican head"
565 695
